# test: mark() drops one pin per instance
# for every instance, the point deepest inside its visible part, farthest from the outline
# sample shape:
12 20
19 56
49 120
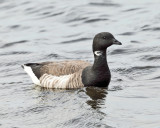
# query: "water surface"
37 31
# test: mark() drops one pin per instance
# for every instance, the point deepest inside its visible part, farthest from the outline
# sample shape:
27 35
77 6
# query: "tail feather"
35 68
32 64
30 72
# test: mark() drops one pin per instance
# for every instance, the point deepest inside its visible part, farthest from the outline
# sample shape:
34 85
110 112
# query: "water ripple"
95 20
13 43
151 29
137 70
76 40
105 4
49 14
14 53
151 57
131 9
127 33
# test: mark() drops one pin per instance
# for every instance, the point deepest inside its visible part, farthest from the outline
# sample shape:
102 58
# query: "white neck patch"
98 53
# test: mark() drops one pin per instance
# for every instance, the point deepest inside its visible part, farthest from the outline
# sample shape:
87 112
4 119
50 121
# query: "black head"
103 40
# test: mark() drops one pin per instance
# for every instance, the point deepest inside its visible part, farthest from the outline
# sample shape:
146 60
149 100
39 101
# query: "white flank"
51 81
98 53
32 75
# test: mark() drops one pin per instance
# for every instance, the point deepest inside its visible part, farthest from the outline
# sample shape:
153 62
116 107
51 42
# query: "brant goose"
75 73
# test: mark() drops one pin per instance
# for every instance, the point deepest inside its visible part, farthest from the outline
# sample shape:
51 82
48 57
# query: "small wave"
14 26
14 43
127 33
18 27
132 9
29 10
144 68
49 14
43 30
158 77
135 41
144 26
12 82
76 40
53 55
151 29
151 58
37 109
75 19
134 96
118 51
105 4
134 50
137 69
94 20
12 53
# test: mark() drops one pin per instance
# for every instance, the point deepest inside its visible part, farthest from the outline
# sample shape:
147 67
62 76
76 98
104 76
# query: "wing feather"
63 67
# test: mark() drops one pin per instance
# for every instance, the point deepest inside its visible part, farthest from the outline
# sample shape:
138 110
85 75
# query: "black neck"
100 62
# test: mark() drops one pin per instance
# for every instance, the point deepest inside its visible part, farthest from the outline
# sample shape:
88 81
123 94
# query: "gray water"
51 30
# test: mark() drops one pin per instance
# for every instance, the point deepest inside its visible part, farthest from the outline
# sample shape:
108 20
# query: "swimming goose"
75 73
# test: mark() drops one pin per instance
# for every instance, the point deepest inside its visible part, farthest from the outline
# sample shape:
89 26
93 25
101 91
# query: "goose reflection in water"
97 96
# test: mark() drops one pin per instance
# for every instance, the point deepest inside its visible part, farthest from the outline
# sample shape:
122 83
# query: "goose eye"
104 37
